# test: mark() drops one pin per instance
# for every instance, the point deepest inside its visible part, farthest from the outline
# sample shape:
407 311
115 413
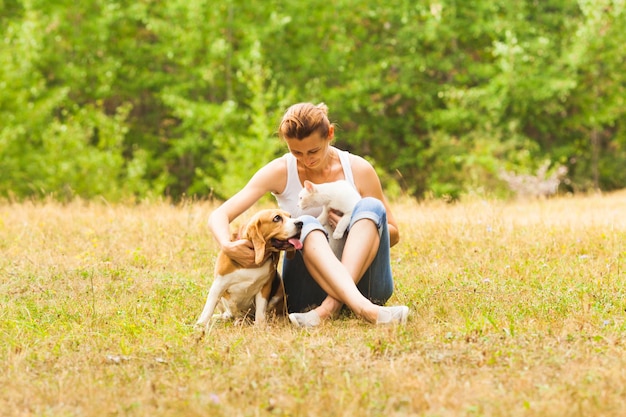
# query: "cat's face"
309 197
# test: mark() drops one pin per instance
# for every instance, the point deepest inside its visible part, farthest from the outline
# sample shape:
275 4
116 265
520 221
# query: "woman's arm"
270 178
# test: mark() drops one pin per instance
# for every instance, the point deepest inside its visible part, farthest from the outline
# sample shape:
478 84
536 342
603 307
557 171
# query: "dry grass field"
517 309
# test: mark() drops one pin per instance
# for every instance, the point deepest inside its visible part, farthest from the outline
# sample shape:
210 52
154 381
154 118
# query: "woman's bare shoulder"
273 175
360 165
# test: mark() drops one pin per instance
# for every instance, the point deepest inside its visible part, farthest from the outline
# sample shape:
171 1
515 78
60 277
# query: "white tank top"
288 199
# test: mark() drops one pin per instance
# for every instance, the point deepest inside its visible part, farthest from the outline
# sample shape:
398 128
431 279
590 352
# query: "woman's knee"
370 208
370 204
309 224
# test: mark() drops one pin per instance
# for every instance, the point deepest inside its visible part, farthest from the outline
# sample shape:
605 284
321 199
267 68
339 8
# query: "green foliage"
131 99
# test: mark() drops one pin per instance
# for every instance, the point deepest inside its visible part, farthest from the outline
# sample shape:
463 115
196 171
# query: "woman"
315 278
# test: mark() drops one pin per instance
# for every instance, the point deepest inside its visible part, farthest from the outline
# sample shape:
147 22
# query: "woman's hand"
333 218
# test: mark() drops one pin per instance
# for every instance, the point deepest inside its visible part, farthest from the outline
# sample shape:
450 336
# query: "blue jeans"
376 284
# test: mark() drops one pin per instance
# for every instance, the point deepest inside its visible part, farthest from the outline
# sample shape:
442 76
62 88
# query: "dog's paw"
225 316
201 325
199 331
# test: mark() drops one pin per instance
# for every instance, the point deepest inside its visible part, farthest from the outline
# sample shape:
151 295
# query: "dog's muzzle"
291 243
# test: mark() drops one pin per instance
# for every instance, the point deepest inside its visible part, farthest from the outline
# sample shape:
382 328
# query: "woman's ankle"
370 314
325 312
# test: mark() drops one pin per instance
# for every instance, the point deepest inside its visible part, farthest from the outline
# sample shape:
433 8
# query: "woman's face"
310 151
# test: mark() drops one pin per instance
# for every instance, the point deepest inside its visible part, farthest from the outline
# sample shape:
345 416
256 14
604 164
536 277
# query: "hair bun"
323 107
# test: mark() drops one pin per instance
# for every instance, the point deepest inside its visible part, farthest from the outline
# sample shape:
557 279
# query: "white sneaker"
392 315
308 319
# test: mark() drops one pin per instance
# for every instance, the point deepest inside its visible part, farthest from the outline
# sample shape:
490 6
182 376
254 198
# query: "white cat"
339 196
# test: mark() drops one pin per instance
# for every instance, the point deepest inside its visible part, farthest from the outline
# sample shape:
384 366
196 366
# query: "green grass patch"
517 309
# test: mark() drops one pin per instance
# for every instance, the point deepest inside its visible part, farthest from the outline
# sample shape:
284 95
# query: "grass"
518 309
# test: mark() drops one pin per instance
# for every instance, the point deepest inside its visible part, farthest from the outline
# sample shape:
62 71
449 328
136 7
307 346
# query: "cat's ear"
310 187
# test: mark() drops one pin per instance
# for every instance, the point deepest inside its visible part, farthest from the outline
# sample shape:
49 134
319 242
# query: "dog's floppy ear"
258 241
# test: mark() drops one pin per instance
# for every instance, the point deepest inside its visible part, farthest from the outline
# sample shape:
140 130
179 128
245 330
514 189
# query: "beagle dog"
239 288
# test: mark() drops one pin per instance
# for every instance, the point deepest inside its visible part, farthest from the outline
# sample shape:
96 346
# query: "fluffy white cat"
339 196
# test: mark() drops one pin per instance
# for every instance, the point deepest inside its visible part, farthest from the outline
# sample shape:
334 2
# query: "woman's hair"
303 119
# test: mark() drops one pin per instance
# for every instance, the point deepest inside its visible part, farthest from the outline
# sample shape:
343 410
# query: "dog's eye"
278 218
